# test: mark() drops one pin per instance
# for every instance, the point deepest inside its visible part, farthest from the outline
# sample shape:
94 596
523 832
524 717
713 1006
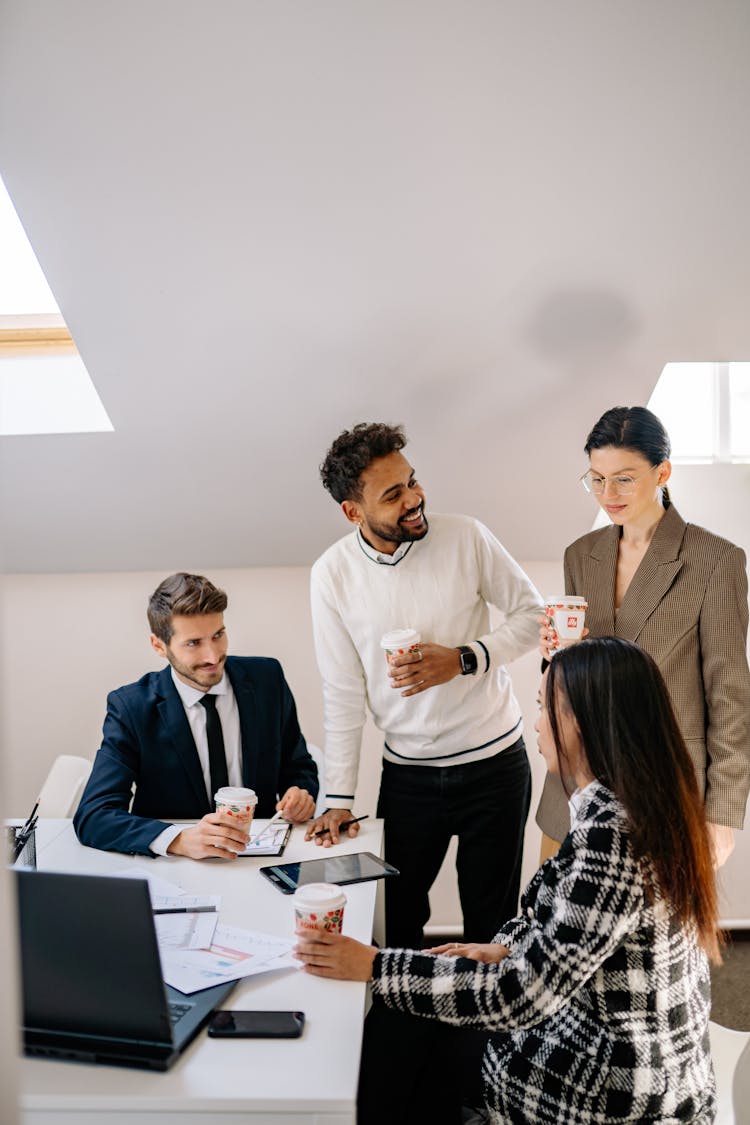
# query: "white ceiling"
264 222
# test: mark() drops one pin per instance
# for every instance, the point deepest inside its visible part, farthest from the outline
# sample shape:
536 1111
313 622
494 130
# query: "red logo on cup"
572 622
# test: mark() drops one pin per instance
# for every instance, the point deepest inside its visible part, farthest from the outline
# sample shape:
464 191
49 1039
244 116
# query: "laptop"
91 975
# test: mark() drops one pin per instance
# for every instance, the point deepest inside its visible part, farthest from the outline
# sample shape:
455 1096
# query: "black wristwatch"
468 659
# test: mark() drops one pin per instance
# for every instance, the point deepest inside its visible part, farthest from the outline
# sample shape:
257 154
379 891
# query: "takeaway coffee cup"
238 804
566 615
400 641
319 906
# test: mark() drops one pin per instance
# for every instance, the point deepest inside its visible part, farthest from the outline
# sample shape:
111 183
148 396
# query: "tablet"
357 867
270 842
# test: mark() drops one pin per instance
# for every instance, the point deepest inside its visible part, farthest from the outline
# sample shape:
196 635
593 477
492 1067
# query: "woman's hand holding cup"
562 623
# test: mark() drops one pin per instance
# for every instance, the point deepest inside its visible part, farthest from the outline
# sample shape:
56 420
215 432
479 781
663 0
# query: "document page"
233 953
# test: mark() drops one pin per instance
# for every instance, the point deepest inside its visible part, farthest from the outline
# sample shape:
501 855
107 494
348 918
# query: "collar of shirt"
190 695
228 711
379 557
575 801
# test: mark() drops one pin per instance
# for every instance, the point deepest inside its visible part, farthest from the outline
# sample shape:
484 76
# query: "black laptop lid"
89 958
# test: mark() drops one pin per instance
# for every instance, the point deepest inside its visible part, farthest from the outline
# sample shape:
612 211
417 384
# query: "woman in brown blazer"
680 593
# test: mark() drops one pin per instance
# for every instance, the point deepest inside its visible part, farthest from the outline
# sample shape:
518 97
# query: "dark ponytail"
633 427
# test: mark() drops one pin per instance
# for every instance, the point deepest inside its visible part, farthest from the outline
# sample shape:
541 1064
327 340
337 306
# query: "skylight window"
23 286
44 385
705 408
48 394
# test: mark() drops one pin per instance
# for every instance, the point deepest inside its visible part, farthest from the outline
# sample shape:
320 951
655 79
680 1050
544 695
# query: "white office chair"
730 1051
62 789
317 756
741 1087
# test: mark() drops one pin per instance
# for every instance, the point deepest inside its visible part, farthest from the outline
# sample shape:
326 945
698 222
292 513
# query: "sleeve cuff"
482 654
160 844
340 801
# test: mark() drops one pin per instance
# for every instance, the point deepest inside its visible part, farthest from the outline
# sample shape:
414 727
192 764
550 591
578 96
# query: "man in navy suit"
158 738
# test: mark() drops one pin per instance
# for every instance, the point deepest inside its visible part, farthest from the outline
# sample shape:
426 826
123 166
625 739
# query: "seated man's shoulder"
260 668
150 683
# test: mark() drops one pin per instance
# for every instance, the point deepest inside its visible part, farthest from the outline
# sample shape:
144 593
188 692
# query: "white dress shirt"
226 707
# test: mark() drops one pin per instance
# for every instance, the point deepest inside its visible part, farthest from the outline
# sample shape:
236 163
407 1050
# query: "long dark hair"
634 747
632 427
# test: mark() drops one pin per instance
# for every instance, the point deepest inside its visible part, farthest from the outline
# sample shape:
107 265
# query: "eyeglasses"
622 485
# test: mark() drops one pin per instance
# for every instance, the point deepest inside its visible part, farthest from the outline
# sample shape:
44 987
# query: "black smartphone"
227 1024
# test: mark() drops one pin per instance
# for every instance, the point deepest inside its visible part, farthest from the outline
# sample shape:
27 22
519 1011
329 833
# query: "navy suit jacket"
147 741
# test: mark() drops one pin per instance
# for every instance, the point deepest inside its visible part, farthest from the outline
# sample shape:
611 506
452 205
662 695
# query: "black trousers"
416 1070
486 805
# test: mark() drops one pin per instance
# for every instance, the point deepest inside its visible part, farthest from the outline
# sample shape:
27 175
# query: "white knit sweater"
443 587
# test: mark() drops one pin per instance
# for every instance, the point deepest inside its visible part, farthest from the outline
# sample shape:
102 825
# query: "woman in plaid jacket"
596 996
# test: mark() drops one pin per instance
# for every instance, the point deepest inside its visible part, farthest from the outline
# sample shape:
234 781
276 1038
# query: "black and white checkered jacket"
600 1013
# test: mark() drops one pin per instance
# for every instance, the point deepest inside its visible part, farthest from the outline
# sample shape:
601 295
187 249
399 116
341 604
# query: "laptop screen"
89 959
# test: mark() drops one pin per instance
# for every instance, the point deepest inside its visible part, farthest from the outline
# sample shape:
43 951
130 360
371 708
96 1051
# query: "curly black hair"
352 452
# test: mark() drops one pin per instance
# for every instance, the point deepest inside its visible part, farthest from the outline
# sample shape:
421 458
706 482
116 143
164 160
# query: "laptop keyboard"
177 1011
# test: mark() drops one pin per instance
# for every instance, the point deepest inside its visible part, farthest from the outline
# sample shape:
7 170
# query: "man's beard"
197 677
401 533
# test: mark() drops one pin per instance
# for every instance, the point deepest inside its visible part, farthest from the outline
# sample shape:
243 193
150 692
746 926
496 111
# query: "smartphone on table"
228 1024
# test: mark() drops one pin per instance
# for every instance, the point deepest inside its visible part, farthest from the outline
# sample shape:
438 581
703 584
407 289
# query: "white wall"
434 212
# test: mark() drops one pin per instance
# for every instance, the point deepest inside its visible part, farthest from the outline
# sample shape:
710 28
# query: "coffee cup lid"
319 896
235 795
568 600
400 638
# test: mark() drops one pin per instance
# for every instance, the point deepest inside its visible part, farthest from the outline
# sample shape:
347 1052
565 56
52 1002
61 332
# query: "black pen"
28 823
24 833
185 910
344 824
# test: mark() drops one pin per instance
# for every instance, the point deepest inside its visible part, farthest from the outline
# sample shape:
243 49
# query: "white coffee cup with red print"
566 616
319 906
399 642
237 805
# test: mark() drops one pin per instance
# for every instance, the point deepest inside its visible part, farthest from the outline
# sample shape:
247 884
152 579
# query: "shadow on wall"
581 325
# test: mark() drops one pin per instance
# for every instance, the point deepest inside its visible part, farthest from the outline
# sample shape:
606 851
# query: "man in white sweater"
454 760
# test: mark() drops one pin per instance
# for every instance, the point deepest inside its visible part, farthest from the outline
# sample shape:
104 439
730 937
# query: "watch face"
468 662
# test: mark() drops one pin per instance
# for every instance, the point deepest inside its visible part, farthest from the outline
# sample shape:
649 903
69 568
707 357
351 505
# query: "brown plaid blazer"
687 607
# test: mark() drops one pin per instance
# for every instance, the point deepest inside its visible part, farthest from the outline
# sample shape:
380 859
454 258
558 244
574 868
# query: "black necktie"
217 759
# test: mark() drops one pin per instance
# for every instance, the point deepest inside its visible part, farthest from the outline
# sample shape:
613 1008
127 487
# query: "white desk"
306 1081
